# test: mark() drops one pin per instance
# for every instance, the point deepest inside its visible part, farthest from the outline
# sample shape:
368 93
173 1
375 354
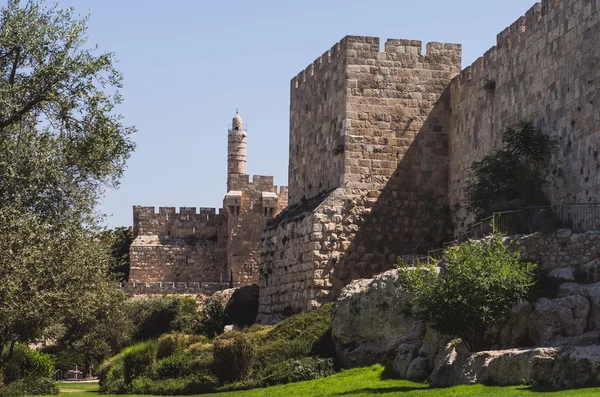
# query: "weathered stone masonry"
381 144
546 69
204 248
368 150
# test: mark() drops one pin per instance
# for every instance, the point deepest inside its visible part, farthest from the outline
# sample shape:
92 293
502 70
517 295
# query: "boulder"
448 365
501 367
576 367
418 369
565 274
242 307
513 331
590 272
372 319
554 319
222 297
406 353
241 304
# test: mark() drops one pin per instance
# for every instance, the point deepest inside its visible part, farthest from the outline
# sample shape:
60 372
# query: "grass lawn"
359 382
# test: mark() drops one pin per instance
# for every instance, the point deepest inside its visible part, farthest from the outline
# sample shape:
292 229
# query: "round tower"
236 149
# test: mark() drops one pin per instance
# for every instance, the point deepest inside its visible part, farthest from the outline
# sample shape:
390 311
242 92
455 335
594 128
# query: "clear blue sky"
189 64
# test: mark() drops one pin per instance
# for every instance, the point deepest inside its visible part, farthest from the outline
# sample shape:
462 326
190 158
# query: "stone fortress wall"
546 69
177 246
368 151
180 251
381 144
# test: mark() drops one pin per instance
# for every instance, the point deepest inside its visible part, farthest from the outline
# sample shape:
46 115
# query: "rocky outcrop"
241 304
372 322
554 319
561 367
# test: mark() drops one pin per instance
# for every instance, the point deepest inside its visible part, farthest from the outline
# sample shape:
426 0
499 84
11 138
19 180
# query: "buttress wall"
546 69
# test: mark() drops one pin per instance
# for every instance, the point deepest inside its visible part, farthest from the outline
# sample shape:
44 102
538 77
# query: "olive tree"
61 144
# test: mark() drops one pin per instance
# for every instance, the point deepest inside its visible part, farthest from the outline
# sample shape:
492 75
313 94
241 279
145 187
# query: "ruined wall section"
171 246
249 205
545 70
317 114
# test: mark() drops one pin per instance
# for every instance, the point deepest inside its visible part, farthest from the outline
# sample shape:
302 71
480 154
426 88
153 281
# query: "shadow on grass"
382 390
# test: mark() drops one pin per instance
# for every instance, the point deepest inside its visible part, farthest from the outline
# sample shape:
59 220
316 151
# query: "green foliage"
119 240
299 347
213 319
176 343
61 143
155 316
481 281
30 387
196 384
25 363
301 335
518 172
111 375
175 366
370 381
138 360
234 354
298 370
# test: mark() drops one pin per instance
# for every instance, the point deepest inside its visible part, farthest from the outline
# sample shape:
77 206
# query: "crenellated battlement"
550 19
261 183
193 212
352 48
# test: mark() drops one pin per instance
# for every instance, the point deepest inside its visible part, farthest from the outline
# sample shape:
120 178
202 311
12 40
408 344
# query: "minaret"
236 149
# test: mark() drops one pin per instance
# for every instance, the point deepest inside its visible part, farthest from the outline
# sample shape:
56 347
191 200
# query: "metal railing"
579 217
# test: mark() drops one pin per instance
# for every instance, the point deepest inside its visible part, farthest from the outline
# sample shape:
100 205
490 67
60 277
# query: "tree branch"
15 65
17 116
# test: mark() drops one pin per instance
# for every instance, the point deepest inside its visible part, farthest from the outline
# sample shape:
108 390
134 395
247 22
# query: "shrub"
302 335
516 172
30 387
155 316
175 366
169 344
481 282
297 370
26 363
213 319
200 384
233 356
65 358
138 360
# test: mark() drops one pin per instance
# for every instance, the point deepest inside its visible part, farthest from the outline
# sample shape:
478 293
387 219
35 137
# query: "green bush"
233 356
482 280
65 358
297 370
26 363
305 334
199 384
213 319
138 360
159 315
30 387
169 344
516 172
175 366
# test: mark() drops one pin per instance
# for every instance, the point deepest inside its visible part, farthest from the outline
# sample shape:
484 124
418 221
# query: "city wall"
249 205
365 161
179 246
545 69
